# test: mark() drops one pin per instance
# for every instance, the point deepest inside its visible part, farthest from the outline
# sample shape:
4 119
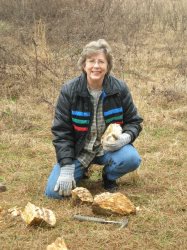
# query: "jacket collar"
108 87
83 91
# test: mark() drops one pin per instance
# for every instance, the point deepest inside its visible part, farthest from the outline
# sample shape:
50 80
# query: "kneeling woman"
86 106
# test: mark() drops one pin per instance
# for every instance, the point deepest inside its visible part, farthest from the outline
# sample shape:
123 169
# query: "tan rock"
34 215
81 195
112 133
113 203
59 244
14 212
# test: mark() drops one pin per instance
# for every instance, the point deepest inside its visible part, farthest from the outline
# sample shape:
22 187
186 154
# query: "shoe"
109 185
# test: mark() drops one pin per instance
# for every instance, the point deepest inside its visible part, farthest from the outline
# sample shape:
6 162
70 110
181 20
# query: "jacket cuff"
65 161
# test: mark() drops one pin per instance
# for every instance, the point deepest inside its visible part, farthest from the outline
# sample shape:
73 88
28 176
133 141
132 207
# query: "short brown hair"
94 47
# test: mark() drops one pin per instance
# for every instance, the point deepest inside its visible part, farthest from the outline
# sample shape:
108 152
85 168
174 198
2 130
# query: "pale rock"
112 133
59 244
34 215
81 195
138 209
14 212
112 203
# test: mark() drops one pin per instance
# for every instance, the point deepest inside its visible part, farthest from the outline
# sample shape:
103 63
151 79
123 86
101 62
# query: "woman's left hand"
122 140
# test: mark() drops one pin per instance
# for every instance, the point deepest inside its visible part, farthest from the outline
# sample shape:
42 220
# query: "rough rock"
112 203
14 212
2 187
34 215
112 133
59 244
81 195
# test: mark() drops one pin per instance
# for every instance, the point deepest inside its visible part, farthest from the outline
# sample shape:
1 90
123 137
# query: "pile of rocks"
102 204
105 203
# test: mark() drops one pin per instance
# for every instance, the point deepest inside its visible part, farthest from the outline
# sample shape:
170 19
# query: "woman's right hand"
66 182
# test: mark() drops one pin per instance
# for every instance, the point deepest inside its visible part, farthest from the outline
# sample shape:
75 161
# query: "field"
33 67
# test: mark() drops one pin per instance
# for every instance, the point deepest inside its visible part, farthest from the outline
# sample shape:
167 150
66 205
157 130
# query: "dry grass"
155 69
27 157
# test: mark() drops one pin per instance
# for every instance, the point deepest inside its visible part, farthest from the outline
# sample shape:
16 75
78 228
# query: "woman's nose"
96 64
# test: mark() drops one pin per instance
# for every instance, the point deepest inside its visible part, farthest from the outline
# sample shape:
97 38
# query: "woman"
85 107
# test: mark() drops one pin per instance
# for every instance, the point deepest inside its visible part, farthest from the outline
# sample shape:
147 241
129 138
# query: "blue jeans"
116 164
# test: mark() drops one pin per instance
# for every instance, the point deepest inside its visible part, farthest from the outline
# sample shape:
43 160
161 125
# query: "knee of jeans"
135 161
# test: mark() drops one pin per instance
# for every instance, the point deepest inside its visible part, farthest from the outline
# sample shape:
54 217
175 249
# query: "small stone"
34 215
81 195
14 212
59 244
138 209
2 187
112 203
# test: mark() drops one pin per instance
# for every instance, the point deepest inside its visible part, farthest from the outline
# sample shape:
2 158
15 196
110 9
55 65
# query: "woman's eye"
95 61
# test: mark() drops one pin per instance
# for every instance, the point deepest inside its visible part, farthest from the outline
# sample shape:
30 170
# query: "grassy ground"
27 156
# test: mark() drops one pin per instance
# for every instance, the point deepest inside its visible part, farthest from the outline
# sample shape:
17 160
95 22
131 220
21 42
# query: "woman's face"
96 67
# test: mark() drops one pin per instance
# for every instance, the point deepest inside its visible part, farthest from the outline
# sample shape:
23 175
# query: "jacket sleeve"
132 120
62 129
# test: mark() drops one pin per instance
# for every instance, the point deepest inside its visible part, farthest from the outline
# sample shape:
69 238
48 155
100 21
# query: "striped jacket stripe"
79 113
80 128
113 111
115 118
78 121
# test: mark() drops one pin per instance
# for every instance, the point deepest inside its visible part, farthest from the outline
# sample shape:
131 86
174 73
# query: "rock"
112 203
2 187
14 212
34 215
59 244
112 133
1 209
81 195
138 209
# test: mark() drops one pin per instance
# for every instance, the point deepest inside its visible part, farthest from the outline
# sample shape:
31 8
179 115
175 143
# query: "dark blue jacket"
74 115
